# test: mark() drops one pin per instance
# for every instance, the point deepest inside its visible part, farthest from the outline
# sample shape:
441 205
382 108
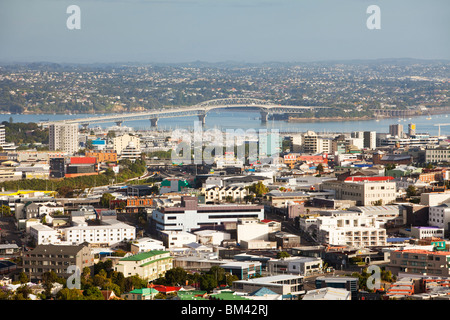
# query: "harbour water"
233 119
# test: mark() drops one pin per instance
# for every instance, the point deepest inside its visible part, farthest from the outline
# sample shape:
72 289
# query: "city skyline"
215 31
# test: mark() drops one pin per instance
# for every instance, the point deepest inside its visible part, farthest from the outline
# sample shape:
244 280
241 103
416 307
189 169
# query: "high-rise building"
63 137
396 130
2 135
412 129
370 139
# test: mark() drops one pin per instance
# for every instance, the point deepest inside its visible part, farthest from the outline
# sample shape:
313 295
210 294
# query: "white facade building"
252 229
177 239
109 233
146 244
439 216
364 192
43 234
350 229
63 137
121 142
190 215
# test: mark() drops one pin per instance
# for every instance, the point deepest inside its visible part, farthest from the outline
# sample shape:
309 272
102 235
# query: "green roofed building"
192 295
140 294
148 265
227 295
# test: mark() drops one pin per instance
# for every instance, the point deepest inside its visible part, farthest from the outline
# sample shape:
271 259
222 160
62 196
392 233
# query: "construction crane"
439 125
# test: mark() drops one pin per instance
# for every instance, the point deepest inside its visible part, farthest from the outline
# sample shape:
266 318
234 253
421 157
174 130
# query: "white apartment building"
439 216
120 143
351 229
312 143
63 137
221 194
109 233
43 234
364 192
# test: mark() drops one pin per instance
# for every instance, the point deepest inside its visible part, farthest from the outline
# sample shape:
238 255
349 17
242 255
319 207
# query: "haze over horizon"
217 31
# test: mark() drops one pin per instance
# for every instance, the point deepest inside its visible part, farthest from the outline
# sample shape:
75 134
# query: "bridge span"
200 110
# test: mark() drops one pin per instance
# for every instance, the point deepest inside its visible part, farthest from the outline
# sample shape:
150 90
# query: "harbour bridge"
200 110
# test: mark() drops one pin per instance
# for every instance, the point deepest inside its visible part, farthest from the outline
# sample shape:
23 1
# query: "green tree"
411 191
320 168
218 273
23 278
208 282
69 294
282 254
5 211
93 293
105 200
176 276
258 188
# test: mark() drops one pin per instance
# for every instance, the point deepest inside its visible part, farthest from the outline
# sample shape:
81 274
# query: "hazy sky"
221 30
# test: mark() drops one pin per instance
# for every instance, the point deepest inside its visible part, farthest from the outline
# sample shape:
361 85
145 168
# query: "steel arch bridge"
266 107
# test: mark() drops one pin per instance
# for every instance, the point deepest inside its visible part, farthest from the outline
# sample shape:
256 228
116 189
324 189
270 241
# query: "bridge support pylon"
202 118
264 116
154 122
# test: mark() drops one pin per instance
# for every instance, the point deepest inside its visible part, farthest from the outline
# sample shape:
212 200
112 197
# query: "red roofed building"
165 289
355 179
83 160
82 166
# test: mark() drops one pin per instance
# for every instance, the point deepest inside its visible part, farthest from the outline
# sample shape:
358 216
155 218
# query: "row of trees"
215 277
69 187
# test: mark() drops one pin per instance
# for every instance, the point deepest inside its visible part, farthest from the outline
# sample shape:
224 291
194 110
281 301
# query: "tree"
93 293
411 191
218 273
69 294
208 282
23 278
231 278
5 211
320 168
176 276
258 188
105 200
282 254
